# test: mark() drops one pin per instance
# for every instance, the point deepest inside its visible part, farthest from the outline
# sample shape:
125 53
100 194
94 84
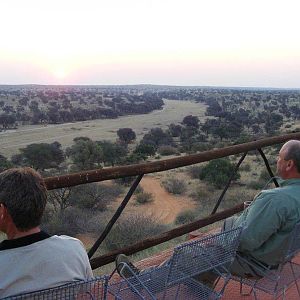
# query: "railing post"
115 217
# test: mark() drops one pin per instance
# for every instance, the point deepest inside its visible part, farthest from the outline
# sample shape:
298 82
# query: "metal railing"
139 170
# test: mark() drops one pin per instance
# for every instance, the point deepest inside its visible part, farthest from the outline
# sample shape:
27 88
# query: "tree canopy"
42 156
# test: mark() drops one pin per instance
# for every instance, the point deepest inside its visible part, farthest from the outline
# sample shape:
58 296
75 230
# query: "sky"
176 42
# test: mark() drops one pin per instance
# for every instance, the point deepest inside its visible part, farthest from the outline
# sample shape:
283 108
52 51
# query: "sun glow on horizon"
199 42
60 73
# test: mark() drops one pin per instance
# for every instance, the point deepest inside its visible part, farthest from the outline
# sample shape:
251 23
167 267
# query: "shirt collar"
23 241
293 181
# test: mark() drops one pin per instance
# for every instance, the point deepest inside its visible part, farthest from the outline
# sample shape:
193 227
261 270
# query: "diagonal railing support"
268 166
115 217
165 236
228 183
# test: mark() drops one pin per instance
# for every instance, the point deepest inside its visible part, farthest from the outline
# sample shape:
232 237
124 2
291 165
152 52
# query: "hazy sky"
182 42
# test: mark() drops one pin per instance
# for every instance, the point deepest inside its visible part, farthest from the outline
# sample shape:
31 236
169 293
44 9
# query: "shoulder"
275 199
275 194
66 240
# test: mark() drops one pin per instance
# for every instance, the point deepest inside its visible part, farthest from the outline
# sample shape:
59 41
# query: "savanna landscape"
59 130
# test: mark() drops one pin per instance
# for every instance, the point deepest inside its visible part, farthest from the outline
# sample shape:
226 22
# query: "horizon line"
156 85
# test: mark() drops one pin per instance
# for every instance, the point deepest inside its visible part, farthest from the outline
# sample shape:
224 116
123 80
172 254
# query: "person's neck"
293 176
15 233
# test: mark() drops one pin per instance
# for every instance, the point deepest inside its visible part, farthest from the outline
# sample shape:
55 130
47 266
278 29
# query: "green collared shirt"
269 221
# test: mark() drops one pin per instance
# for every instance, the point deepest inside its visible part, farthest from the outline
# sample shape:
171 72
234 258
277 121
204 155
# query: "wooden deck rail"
162 165
159 166
166 236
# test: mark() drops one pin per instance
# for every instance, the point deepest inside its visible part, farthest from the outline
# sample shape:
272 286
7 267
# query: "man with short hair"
267 222
30 259
272 215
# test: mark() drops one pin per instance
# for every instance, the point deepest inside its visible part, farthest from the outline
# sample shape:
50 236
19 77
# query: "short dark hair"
293 153
24 193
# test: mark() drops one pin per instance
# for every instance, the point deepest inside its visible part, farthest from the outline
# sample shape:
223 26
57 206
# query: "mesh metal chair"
150 285
175 279
95 288
275 281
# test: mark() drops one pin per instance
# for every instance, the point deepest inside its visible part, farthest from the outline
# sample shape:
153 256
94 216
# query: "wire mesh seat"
275 281
151 286
95 288
175 279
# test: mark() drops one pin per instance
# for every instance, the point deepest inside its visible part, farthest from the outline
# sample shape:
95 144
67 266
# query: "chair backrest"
202 255
95 288
151 285
294 243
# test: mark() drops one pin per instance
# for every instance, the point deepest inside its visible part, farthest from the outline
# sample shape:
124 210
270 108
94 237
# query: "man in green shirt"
272 215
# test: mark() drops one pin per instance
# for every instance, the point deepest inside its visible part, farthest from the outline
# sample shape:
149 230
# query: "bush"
167 150
131 229
138 190
195 171
174 186
200 194
94 195
143 198
185 217
256 185
218 172
72 221
245 168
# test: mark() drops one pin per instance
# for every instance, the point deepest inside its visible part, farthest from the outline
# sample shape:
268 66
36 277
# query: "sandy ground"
165 206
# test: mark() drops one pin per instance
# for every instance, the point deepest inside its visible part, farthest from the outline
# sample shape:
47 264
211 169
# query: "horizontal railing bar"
166 236
162 165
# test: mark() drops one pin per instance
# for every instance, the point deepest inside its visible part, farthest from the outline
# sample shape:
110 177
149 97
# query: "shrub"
138 190
142 198
200 194
167 150
256 185
218 172
195 171
185 217
72 221
174 186
245 167
94 195
132 229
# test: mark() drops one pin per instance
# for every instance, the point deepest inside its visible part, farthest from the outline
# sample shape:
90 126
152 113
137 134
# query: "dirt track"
165 206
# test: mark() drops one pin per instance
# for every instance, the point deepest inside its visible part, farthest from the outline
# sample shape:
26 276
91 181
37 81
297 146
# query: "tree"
60 199
145 149
175 130
191 121
7 120
85 153
157 137
112 153
218 172
4 163
94 195
126 135
42 156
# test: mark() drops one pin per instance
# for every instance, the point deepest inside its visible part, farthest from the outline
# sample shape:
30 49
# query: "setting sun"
60 73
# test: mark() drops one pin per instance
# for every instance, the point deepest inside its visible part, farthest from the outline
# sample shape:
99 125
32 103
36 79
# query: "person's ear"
290 164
